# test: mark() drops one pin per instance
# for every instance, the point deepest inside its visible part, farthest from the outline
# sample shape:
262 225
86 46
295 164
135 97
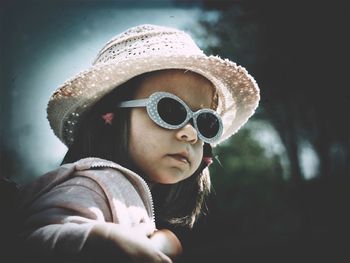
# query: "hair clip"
108 117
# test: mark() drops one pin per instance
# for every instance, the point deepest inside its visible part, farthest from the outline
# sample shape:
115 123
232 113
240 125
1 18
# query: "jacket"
59 208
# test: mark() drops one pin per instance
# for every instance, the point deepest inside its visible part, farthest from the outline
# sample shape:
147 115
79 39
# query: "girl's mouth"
180 157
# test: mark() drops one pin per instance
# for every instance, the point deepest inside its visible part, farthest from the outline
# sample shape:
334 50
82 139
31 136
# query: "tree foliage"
249 186
295 52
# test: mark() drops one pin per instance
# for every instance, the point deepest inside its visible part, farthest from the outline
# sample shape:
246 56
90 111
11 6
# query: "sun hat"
147 48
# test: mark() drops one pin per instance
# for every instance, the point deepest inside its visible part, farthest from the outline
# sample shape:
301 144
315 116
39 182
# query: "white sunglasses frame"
151 105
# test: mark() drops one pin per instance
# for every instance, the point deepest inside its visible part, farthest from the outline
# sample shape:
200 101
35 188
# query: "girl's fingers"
145 229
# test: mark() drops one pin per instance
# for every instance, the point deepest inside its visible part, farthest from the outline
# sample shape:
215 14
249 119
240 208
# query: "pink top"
60 208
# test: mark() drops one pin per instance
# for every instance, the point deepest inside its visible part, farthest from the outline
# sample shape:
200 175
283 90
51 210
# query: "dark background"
298 53
281 184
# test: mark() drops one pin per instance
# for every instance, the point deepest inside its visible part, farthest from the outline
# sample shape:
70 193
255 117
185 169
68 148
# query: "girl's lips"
180 158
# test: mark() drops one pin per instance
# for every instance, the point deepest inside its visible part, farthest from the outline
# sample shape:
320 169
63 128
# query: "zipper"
110 164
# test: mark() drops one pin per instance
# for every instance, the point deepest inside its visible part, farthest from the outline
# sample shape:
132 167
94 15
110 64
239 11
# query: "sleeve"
59 221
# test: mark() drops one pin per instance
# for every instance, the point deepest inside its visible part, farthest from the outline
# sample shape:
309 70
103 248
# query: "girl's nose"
187 133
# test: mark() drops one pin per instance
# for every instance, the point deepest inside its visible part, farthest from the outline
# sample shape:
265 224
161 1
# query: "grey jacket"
59 208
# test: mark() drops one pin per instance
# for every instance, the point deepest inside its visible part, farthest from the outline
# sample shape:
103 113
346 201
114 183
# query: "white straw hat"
147 48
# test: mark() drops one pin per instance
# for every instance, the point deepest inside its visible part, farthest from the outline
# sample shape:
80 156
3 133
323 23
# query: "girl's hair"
177 204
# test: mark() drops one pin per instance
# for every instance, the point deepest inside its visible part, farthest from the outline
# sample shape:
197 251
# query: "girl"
139 126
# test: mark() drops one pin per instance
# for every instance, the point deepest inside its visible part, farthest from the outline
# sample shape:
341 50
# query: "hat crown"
147 40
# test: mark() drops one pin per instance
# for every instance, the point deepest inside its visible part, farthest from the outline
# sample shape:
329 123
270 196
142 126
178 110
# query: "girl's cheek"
199 154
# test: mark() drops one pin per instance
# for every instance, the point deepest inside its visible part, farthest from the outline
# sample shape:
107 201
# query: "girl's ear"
206 160
207 154
207 150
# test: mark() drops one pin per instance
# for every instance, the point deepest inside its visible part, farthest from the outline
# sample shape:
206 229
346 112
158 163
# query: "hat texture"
147 48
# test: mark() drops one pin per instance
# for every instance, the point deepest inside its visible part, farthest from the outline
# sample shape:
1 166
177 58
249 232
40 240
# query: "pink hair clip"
108 117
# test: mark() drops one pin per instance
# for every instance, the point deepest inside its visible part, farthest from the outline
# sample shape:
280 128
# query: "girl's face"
162 155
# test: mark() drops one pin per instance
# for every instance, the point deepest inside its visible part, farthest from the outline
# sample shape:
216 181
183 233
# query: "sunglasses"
170 112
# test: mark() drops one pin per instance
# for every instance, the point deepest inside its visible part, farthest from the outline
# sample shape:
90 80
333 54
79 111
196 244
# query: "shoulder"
113 178
97 174
70 174
107 172
67 172
93 173
104 171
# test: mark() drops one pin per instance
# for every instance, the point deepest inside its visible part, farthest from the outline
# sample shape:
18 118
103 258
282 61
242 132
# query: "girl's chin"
172 177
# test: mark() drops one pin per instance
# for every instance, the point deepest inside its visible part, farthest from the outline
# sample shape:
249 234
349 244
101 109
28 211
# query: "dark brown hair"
177 204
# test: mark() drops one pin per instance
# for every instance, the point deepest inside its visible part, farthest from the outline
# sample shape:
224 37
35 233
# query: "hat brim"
238 91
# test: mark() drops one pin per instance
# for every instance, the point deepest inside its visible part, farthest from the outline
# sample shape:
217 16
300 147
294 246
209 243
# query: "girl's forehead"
194 89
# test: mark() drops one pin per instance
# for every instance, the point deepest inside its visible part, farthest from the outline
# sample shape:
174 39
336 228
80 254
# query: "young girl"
139 126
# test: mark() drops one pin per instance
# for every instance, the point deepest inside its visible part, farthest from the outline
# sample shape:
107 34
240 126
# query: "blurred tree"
249 187
295 52
250 209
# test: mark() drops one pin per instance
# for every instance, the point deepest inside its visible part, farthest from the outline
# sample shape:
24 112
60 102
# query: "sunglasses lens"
171 111
208 124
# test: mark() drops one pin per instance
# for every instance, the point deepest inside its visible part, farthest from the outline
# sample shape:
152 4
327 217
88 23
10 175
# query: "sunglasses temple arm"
133 103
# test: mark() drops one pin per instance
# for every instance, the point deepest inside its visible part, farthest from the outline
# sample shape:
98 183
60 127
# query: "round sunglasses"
170 112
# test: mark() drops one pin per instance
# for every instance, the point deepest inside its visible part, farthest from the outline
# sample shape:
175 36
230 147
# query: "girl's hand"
167 242
114 242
